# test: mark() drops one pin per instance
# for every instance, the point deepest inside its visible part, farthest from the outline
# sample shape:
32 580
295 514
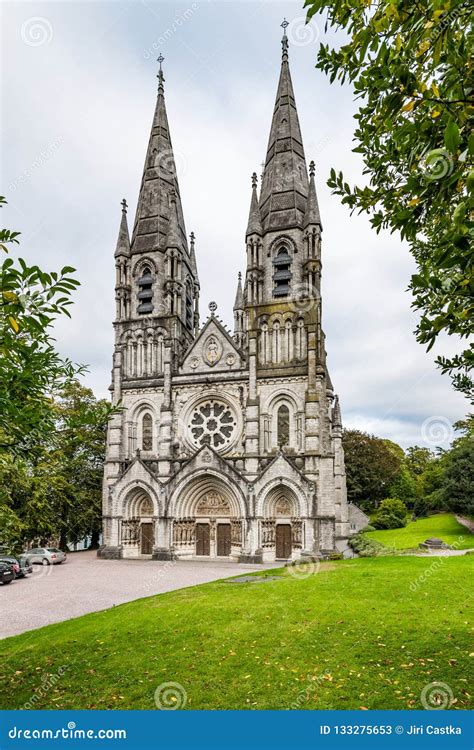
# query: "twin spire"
159 209
287 198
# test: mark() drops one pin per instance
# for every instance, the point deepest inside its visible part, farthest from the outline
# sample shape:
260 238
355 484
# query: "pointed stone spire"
159 179
123 241
255 223
239 297
312 215
192 257
285 180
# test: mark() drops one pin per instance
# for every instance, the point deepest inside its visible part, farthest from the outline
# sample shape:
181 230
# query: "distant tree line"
423 480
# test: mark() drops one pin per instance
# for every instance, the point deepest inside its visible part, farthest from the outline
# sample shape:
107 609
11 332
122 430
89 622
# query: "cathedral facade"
225 446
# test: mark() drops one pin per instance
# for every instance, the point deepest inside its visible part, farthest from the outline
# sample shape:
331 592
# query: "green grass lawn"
360 633
443 526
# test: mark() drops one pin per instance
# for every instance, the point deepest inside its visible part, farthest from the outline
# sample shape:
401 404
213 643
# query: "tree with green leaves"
372 465
411 67
457 483
31 370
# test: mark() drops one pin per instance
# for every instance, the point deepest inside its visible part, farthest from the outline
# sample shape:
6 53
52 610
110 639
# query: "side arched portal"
281 528
138 523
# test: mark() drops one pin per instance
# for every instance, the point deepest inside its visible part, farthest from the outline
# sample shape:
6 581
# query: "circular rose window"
212 423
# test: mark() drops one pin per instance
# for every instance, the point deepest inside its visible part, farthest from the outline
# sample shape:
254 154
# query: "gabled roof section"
159 181
284 190
214 349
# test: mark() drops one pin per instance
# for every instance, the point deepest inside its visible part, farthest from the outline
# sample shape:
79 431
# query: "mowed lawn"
443 526
366 633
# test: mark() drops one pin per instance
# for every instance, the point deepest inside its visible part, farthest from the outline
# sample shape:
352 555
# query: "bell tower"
157 283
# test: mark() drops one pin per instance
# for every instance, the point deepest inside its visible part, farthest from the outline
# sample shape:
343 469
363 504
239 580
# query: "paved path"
86 584
467 522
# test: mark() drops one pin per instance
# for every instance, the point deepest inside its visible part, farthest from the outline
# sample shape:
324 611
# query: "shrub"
366 547
392 514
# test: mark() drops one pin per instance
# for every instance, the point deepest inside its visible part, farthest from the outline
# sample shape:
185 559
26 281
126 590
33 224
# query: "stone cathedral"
226 446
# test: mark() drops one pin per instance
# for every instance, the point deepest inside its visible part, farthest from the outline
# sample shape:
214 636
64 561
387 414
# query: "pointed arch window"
282 275
283 425
147 432
145 292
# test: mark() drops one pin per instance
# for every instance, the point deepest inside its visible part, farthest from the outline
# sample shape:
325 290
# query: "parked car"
7 574
21 565
46 555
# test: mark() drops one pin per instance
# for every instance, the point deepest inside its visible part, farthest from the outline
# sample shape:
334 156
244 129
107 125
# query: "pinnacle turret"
123 241
239 297
312 215
254 225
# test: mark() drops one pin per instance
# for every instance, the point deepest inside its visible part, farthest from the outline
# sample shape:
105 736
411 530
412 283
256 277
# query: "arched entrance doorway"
138 524
209 519
281 528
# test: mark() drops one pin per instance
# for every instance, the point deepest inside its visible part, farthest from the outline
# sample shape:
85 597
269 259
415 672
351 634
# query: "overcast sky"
78 94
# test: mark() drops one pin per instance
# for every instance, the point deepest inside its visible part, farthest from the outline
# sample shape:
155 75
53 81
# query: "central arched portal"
208 519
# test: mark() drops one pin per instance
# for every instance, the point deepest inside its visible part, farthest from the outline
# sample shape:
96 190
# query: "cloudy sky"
78 93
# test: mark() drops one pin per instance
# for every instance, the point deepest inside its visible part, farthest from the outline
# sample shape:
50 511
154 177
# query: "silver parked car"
46 555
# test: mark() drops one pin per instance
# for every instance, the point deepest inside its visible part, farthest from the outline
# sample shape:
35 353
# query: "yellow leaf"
14 324
413 202
436 113
409 106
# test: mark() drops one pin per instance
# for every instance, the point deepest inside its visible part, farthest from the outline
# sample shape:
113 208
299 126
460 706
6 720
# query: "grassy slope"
443 526
377 641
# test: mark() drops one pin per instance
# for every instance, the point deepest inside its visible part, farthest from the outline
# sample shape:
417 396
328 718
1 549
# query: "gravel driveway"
87 584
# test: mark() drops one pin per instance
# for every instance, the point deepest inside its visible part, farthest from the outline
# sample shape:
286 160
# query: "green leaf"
452 137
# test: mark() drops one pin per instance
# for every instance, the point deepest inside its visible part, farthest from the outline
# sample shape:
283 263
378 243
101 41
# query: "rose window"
212 423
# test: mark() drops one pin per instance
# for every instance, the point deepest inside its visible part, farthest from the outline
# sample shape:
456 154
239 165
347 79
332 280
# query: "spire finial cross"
160 75
254 180
284 41
212 308
312 168
124 206
239 276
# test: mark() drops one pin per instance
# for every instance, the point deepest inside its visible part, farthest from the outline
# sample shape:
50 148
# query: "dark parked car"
21 565
7 574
